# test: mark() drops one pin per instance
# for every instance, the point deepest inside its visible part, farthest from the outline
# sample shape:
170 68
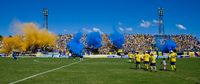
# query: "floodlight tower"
45 13
161 21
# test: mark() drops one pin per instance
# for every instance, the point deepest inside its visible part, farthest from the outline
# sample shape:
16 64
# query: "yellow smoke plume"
12 43
30 36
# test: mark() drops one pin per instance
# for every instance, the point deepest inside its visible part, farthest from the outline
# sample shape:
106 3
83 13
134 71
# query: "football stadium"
99 42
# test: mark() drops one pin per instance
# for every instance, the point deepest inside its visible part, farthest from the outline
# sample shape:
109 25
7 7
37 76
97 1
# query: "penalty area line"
44 73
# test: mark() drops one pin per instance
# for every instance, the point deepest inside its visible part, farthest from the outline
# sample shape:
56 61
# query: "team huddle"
149 61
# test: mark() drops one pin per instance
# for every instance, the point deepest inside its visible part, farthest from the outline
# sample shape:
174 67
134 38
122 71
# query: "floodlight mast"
45 13
161 21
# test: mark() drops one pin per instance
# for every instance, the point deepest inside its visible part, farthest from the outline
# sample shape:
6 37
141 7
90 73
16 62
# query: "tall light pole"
45 13
161 21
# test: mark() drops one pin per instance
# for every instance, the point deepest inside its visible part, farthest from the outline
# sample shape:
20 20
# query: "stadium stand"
138 42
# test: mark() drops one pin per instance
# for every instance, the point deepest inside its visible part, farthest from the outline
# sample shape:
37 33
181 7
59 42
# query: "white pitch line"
43 73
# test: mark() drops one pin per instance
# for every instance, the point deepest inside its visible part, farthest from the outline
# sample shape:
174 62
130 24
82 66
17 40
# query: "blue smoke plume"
75 46
170 44
117 39
160 43
165 45
94 40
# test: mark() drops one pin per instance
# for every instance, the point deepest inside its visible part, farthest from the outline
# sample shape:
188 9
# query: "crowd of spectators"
137 42
186 42
1 44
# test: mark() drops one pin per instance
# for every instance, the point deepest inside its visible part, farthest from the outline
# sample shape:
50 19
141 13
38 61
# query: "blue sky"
131 16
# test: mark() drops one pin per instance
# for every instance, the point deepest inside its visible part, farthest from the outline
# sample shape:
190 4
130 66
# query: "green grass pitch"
95 71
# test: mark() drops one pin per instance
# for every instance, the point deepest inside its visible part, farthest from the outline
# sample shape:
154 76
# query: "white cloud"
180 26
95 29
155 21
121 29
129 29
145 24
86 30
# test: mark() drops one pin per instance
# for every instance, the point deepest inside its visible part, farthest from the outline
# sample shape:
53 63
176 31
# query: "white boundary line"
43 73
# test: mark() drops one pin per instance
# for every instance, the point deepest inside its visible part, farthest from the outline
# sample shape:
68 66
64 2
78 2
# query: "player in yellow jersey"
138 60
172 58
153 62
146 60
130 57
